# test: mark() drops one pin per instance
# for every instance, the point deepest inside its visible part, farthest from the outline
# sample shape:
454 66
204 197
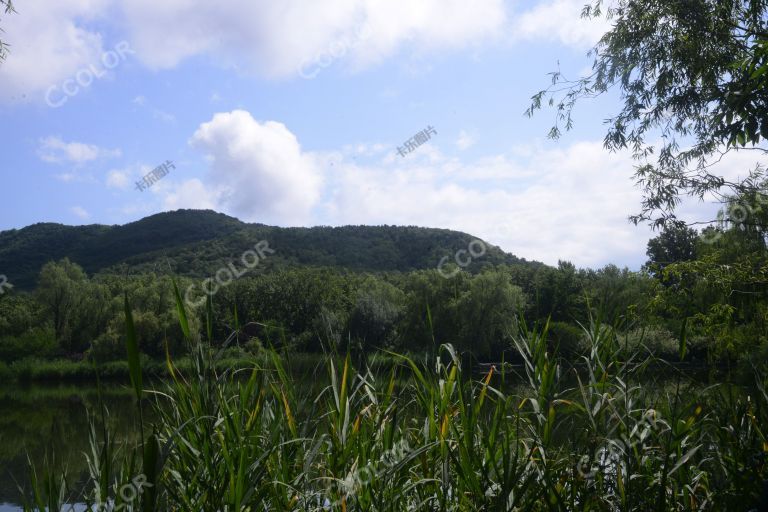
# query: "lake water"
35 418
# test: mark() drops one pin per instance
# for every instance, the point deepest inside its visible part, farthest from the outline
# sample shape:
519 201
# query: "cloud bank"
53 41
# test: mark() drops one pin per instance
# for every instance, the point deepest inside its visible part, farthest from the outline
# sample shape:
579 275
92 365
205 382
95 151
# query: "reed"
604 434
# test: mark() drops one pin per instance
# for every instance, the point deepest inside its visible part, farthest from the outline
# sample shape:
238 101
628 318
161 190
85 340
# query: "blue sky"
291 113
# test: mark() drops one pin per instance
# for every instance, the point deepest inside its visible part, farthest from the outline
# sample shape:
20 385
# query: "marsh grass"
605 436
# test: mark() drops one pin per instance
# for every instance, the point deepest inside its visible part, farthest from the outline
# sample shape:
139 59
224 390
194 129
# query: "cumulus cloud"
119 179
558 20
548 203
278 38
192 194
540 202
54 150
545 202
734 166
465 140
258 170
50 42
163 116
157 113
80 212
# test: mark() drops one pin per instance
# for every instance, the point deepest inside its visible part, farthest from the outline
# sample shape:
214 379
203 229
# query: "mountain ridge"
197 242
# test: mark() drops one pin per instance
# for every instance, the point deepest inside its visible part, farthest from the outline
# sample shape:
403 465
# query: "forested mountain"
196 242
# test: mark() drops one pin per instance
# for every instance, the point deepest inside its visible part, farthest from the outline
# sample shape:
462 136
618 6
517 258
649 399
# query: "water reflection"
36 418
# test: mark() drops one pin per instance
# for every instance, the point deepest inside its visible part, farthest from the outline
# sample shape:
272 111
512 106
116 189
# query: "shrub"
378 309
107 347
36 342
5 372
655 340
569 338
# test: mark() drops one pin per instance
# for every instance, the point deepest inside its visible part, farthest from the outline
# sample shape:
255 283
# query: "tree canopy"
675 243
198 243
6 6
692 78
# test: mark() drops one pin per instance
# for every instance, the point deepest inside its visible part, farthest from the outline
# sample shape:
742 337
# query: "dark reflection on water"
49 425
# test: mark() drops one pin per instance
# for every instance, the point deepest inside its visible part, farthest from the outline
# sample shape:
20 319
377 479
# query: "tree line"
698 286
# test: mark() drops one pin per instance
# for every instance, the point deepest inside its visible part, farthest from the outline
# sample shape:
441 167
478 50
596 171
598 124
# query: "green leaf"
151 453
683 339
181 311
209 317
132 347
759 71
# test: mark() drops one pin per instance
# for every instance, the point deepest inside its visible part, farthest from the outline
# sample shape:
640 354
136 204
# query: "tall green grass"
429 435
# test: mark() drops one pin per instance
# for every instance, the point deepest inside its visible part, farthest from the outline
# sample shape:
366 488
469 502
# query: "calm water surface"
35 418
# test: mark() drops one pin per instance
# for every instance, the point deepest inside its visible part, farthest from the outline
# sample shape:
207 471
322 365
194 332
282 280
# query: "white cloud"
163 116
364 150
553 203
118 179
191 194
558 20
734 166
465 140
277 38
80 212
258 171
540 202
54 150
545 202
157 113
75 177
50 42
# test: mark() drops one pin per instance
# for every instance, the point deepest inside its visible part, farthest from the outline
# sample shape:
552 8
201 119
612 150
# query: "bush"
36 342
378 309
36 369
756 357
569 338
5 372
33 369
658 341
152 332
107 347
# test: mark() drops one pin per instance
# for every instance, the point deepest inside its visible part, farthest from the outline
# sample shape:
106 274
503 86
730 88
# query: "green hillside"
197 242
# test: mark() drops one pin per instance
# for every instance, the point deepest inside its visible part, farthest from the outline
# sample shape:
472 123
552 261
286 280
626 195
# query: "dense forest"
353 288
196 243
